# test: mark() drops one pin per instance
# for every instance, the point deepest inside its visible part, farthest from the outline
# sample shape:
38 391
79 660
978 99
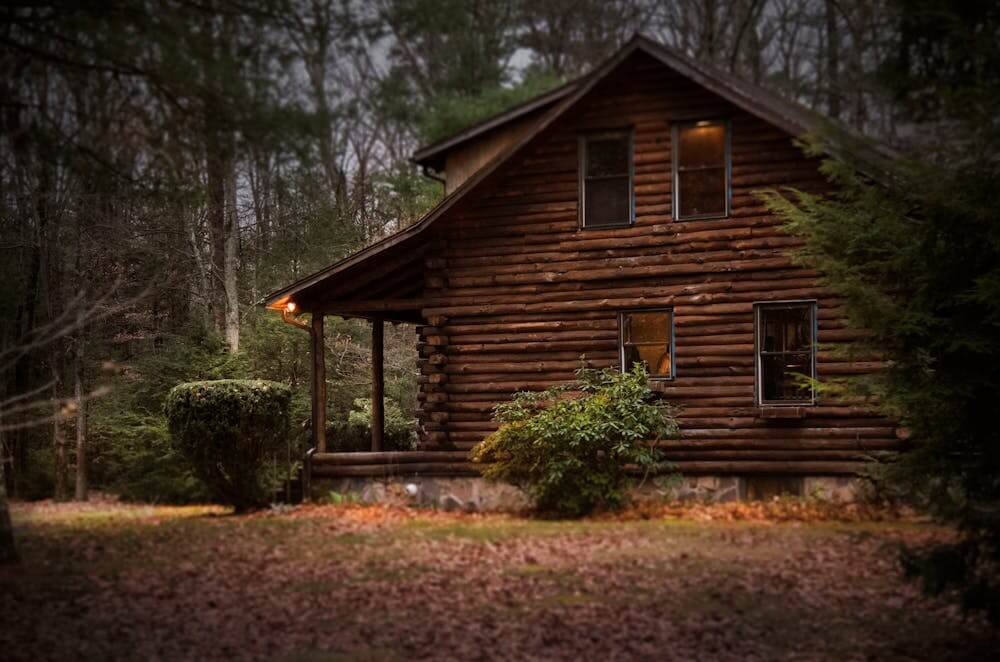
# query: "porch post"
378 385
318 383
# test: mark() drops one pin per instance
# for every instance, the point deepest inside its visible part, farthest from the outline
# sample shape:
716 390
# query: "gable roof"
787 115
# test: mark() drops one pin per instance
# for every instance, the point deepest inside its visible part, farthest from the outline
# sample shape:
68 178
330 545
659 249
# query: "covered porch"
382 284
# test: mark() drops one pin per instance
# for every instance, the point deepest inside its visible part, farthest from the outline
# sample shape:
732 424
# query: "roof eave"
433 155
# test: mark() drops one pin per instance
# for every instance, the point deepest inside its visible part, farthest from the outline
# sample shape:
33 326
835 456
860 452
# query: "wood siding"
463 162
520 296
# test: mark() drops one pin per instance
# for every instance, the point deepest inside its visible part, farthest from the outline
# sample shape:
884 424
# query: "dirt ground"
734 582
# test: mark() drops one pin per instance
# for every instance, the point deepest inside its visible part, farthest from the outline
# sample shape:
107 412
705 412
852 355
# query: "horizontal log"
776 432
766 455
388 457
804 468
466 440
406 469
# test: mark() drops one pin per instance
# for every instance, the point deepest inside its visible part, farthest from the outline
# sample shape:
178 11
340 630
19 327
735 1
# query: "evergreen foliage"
226 429
451 112
917 256
570 447
355 433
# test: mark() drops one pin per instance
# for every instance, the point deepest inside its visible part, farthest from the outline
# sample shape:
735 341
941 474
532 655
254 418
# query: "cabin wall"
524 297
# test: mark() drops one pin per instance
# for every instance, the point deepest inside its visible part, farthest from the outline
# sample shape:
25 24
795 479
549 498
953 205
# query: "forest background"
166 163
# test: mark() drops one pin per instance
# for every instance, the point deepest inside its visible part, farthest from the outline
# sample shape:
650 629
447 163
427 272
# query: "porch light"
290 307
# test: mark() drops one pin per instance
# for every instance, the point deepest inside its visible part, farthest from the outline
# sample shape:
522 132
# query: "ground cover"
787 580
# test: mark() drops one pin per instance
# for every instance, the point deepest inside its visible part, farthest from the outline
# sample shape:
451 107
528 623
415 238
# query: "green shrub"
226 429
355 434
132 455
570 447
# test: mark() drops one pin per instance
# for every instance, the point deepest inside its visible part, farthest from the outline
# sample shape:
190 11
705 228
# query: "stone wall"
479 494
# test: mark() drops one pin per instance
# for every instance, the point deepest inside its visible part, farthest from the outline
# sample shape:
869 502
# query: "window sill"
660 384
781 412
606 227
702 217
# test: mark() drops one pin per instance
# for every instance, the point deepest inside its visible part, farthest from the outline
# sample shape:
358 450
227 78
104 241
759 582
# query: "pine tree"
915 250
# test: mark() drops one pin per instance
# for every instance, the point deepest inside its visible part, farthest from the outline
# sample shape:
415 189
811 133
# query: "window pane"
646 337
656 358
607 156
653 326
702 146
786 329
607 202
702 192
779 376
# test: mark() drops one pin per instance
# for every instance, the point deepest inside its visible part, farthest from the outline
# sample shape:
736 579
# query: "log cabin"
609 221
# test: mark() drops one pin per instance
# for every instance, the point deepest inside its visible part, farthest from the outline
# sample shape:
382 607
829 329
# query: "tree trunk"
81 421
58 438
203 278
8 548
832 61
216 180
231 259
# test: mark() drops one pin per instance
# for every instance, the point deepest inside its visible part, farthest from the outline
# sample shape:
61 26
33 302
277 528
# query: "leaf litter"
751 581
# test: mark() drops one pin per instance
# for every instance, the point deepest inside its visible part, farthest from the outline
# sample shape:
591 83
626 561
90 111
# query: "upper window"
701 170
647 336
786 352
606 179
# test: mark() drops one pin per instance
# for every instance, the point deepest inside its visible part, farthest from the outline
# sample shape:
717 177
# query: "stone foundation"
468 494
841 489
478 494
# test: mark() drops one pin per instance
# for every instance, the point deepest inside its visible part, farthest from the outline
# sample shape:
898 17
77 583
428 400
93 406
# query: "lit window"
606 179
647 336
786 352
701 170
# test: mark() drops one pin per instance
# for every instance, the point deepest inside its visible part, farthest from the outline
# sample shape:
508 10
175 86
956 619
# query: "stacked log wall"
520 296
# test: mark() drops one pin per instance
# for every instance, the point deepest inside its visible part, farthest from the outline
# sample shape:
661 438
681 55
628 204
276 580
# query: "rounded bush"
225 429
571 447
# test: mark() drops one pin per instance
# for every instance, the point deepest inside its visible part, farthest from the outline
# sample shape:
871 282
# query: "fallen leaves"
782 509
728 581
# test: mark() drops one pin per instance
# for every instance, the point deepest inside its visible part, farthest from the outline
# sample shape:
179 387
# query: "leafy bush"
355 434
226 429
570 447
134 458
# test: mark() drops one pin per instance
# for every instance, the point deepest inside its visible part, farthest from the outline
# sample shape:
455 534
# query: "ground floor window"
786 351
647 336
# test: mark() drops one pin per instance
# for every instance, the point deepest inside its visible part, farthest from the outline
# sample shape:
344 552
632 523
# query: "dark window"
701 170
786 352
606 179
647 336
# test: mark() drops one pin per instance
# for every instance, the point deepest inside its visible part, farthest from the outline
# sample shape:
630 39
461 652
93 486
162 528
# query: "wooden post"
318 384
378 385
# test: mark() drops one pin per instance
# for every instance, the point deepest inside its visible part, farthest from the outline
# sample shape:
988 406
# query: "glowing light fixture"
703 123
290 306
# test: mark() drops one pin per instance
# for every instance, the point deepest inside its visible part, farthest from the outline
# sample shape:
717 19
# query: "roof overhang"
433 156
